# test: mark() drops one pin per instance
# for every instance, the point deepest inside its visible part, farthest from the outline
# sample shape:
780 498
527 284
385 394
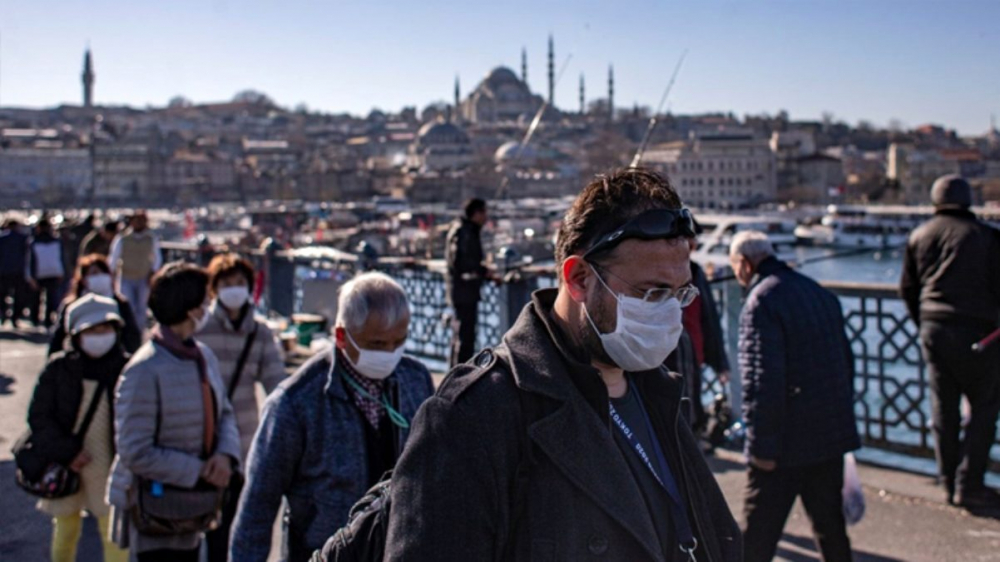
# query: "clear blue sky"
918 62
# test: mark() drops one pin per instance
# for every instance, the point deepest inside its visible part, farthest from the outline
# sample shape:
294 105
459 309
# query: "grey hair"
751 244
371 293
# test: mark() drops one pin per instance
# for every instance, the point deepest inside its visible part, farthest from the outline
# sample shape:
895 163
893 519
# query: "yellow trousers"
66 531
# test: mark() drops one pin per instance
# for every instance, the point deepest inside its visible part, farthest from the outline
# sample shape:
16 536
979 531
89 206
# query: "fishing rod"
502 190
653 120
981 345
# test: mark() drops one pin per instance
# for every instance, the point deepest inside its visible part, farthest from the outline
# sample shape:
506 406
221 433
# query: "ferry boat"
720 229
876 227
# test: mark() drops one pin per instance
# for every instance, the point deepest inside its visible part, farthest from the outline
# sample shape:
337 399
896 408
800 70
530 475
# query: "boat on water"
876 227
720 229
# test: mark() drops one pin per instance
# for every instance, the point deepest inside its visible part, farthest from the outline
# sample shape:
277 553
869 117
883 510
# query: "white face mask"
235 297
199 323
373 364
98 345
645 332
100 284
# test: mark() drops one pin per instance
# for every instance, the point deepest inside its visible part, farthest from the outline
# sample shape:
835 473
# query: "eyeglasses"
654 224
684 295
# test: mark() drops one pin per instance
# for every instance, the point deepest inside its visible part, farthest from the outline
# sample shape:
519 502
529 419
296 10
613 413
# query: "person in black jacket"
951 286
13 258
798 400
465 275
529 452
93 275
87 370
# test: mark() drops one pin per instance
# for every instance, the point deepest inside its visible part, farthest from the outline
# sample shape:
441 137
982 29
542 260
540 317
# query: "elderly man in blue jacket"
330 431
798 373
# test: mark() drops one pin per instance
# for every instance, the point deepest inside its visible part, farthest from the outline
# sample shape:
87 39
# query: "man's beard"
602 315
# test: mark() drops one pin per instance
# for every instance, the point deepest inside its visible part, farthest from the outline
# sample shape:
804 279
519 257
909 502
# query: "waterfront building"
727 169
915 170
195 177
45 175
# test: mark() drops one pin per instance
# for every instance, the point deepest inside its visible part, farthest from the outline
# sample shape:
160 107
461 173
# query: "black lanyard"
686 540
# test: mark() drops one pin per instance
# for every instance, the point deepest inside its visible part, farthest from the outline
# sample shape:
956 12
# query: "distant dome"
508 152
441 132
502 75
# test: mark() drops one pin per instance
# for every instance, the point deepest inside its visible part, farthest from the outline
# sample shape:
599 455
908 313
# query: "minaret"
458 100
88 80
611 92
524 66
583 107
552 72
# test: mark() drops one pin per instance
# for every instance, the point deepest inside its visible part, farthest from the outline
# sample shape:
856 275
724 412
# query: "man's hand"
81 460
763 464
217 470
724 377
33 284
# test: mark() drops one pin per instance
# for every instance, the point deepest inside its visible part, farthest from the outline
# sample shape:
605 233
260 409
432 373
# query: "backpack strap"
242 360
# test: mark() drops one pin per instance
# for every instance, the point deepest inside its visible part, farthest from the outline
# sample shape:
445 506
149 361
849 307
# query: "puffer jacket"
798 370
464 258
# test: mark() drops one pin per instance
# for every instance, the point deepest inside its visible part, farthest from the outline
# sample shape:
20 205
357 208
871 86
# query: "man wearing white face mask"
566 442
330 431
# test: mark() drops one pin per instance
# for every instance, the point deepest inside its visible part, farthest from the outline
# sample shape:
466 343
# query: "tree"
252 97
179 101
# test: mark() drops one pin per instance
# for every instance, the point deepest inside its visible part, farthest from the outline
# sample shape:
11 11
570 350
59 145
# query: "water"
880 267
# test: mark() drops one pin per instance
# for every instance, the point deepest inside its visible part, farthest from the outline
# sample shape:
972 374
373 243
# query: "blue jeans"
137 293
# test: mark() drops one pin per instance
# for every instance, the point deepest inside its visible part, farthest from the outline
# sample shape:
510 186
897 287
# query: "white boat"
856 226
720 229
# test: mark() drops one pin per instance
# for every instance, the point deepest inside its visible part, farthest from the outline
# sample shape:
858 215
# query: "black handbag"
43 477
159 509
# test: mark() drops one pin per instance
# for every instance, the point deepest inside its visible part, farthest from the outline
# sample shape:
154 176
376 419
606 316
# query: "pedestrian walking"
45 273
334 428
798 401
135 257
14 244
93 276
176 433
567 442
951 286
76 381
465 274
99 240
249 355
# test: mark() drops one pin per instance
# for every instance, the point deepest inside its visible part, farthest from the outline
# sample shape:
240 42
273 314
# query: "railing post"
280 281
734 305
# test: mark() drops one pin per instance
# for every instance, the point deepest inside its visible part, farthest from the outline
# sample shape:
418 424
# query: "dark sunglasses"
655 224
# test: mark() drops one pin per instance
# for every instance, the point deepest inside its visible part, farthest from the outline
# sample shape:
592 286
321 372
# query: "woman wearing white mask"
76 381
93 276
177 437
248 353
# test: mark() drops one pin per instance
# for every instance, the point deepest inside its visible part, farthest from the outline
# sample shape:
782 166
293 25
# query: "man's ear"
575 272
340 337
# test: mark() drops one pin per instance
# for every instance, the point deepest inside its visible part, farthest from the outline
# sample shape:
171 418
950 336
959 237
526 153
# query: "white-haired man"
798 373
330 431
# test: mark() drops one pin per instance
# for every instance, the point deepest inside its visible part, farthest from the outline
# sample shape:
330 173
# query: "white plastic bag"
854 496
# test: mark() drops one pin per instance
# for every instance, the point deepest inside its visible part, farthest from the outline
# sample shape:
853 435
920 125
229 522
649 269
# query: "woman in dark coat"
73 379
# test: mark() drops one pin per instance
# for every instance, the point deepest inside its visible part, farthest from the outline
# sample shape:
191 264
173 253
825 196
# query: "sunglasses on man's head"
655 224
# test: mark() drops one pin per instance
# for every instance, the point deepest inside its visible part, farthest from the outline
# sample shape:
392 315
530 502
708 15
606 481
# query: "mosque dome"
508 152
441 132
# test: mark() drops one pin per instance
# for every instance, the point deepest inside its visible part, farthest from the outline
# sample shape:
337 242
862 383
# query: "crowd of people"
574 437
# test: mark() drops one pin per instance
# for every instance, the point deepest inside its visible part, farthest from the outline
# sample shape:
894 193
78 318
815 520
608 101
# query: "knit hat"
951 191
89 311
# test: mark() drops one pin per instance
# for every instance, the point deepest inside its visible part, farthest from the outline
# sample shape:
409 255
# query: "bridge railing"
892 397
